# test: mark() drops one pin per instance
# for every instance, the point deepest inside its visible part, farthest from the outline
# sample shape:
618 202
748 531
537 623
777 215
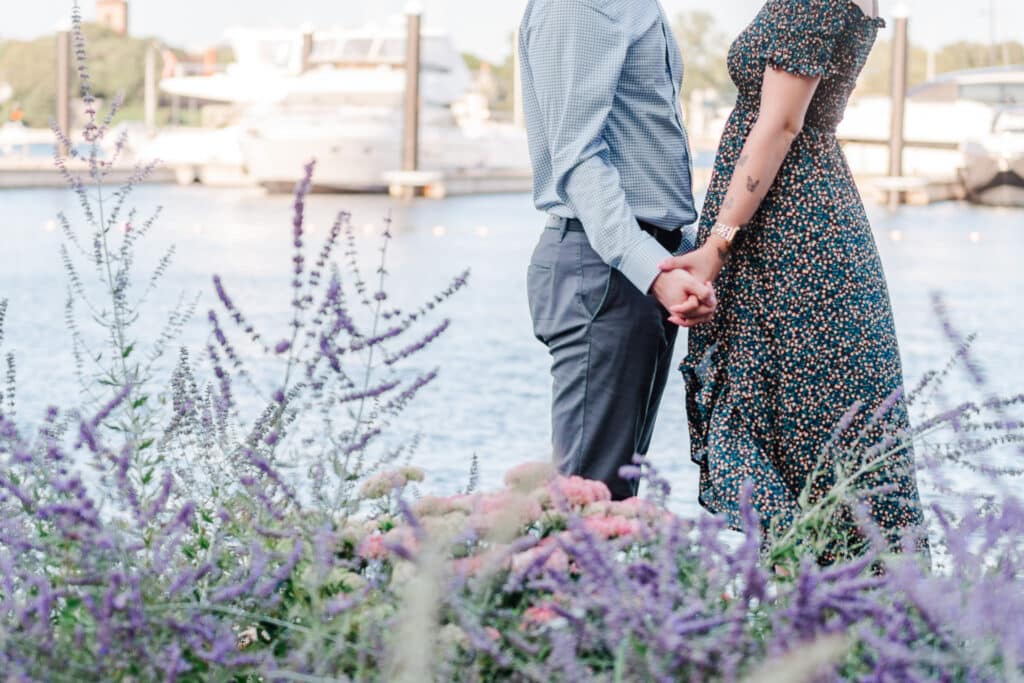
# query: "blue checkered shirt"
601 96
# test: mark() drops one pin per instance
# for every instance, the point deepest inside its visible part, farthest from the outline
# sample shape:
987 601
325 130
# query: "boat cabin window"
274 53
357 49
392 50
993 93
434 57
437 51
1009 122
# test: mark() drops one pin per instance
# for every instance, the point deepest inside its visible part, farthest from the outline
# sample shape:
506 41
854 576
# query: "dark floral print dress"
800 364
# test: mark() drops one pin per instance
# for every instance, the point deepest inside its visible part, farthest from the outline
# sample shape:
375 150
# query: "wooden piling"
307 49
411 137
179 70
63 113
900 59
150 87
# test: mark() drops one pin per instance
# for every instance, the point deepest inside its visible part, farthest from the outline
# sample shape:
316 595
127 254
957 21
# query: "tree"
875 79
116 64
705 52
965 55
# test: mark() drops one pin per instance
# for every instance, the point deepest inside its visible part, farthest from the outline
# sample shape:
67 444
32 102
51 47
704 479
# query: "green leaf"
139 402
145 444
127 351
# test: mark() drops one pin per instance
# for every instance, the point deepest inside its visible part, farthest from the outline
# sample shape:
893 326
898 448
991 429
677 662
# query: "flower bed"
155 530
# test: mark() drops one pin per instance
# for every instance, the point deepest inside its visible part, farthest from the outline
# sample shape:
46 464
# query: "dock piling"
411 132
410 147
63 113
307 48
150 87
900 59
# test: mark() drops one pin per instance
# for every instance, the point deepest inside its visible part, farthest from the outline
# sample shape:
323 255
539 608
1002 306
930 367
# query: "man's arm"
576 55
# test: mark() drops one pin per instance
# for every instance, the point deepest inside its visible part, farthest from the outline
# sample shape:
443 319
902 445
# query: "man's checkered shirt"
601 85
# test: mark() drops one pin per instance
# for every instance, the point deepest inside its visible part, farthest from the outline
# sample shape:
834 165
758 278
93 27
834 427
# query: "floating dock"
438 185
30 173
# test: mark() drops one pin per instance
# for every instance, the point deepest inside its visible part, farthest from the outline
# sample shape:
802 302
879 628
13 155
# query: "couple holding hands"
780 285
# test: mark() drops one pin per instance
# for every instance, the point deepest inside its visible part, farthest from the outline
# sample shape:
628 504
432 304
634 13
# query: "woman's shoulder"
813 16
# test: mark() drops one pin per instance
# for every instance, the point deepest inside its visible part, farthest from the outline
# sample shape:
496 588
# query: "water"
492 397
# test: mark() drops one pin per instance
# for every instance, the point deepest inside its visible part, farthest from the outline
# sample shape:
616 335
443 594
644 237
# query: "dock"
20 174
914 190
438 184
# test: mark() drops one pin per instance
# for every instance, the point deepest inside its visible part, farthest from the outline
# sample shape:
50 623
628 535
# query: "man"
612 171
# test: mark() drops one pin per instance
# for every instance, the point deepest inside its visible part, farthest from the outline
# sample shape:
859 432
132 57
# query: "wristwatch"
726 232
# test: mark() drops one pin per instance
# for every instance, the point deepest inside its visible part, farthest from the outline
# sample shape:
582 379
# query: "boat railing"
916 144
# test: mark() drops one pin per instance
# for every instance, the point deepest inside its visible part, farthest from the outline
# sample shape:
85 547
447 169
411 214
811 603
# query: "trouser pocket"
552 285
539 292
568 285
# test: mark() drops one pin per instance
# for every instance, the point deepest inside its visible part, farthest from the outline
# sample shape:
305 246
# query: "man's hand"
690 301
703 265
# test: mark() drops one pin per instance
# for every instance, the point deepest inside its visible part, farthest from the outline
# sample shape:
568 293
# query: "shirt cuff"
640 264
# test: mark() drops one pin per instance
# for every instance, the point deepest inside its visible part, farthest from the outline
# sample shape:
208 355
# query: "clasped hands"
685 286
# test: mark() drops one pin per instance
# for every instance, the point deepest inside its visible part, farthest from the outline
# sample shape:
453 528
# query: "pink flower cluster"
577 491
381 485
378 546
612 526
535 496
530 475
373 548
431 506
546 555
539 615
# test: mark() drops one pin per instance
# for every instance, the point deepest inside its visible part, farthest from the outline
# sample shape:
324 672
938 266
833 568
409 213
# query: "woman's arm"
785 98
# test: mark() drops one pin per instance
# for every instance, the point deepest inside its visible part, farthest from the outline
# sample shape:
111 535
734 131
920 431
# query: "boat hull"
992 179
359 158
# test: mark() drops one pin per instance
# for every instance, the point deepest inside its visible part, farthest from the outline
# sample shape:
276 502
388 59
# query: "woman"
803 339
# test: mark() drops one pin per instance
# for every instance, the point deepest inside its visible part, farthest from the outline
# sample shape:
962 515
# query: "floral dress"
800 363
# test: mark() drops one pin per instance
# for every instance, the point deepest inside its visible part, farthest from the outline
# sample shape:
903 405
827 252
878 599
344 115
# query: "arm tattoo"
729 203
744 158
752 184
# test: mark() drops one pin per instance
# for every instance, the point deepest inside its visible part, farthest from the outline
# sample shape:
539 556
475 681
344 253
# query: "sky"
479 26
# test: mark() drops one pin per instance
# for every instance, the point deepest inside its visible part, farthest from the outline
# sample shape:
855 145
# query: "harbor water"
492 397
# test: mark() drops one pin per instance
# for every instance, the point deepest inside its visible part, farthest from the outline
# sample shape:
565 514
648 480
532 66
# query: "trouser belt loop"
561 224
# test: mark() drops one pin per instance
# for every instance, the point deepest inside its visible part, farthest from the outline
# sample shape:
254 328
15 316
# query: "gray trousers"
611 347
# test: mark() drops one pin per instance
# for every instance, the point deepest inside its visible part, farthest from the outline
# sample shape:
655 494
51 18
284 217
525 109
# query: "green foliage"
116 63
875 78
472 61
966 55
29 68
705 50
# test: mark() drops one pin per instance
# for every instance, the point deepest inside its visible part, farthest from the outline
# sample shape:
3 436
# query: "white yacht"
337 96
940 116
993 171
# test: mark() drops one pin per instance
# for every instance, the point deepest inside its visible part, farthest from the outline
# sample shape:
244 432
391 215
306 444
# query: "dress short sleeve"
804 33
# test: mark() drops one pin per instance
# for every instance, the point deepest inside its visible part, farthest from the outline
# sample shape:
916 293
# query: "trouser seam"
578 459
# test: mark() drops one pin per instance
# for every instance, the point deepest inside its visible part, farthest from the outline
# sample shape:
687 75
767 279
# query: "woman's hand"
704 265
